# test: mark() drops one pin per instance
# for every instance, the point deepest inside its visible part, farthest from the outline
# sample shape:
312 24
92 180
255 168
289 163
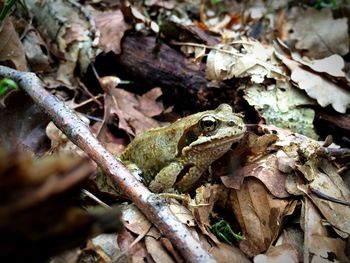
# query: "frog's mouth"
203 143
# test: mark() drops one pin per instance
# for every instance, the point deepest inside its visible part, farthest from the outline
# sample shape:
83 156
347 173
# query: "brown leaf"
258 144
259 215
318 87
11 49
282 253
202 207
60 142
182 213
319 33
125 106
170 4
171 249
112 142
267 172
112 27
24 136
331 185
148 105
75 31
157 251
36 51
134 220
319 246
101 248
125 239
285 163
223 252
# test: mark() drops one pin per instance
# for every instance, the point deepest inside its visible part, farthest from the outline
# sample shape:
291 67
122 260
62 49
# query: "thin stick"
88 101
97 200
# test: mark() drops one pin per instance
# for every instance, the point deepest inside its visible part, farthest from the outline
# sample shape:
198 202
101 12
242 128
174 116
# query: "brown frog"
175 156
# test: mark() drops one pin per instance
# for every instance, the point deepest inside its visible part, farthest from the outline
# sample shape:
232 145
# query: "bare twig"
153 206
334 152
93 197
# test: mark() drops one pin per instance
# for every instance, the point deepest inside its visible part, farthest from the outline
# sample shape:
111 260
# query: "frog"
173 158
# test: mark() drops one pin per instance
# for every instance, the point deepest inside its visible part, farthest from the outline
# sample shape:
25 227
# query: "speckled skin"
183 148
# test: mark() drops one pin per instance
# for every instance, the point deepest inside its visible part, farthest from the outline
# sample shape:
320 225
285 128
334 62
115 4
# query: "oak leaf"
317 32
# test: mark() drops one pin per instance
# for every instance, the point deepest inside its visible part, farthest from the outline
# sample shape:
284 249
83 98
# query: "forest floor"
79 80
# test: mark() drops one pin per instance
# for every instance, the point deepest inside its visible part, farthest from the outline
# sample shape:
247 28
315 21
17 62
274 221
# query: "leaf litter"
280 173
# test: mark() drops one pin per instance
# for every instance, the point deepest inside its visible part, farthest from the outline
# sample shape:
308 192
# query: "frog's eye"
208 123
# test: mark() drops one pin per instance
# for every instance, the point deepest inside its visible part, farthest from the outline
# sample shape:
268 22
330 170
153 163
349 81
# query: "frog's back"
156 148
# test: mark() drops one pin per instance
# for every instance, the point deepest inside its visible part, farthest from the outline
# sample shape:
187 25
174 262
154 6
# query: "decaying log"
157 64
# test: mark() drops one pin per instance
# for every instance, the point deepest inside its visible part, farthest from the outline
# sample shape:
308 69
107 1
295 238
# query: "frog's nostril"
230 123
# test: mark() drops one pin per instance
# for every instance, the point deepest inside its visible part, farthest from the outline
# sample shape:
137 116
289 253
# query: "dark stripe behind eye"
189 136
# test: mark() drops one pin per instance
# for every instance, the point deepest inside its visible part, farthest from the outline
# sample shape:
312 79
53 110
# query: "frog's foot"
183 197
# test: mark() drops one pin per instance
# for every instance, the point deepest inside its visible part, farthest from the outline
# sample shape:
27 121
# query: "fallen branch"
154 207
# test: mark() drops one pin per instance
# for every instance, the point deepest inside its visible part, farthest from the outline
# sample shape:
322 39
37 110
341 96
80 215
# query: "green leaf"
6 9
223 230
6 85
215 2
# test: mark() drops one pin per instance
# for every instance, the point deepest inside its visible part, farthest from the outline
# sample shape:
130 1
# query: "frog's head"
214 129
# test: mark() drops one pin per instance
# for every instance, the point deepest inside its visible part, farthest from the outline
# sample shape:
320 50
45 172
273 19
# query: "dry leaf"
223 252
182 213
125 239
148 103
325 185
112 27
337 214
75 31
36 51
258 145
283 253
319 246
136 15
284 163
254 60
202 207
157 251
11 49
267 172
60 143
24 136
332 65
317 87
107 243
135 221
259 215
171 249
218 24
170 4
319 33
127 107
293 236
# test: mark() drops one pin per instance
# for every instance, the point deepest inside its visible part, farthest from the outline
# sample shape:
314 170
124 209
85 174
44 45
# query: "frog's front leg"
166 178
